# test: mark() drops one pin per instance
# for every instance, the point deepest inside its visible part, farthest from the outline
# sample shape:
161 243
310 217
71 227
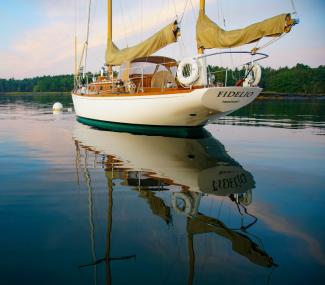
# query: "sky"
37 36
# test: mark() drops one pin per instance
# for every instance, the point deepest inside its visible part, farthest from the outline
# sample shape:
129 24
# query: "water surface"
241 205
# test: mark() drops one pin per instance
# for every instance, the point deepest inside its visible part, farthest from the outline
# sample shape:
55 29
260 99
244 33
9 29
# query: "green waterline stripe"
183 132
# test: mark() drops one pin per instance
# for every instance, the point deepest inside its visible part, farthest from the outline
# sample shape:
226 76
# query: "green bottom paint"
184 132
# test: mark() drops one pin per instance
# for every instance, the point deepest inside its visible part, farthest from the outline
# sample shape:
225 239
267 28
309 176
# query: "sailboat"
155 91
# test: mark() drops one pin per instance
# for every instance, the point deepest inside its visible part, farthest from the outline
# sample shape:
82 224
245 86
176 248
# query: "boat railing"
225 74
137 75
253 55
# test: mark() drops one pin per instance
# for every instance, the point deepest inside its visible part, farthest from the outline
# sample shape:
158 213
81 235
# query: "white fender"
254 77
246 198
187 210
188 71
257 71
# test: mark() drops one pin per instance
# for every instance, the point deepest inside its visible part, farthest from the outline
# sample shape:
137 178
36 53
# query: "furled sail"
164 37
210 35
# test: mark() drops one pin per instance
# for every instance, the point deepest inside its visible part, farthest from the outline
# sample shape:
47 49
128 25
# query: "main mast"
203 79
109 29
202 10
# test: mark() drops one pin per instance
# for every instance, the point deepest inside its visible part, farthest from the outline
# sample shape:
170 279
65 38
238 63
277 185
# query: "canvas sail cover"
164 37
210 35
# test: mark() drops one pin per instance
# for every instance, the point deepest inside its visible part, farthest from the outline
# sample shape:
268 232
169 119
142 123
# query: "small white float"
57 108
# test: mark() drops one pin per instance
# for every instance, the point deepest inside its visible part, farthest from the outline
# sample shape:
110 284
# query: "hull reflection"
187 169
200 165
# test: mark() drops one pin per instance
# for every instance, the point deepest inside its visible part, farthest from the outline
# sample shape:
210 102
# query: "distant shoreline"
263 96
35 93
280 95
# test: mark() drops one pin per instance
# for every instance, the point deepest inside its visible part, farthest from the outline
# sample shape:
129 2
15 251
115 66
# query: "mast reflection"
187 169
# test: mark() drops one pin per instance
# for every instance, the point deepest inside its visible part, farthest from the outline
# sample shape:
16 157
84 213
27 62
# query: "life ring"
246 198
187 209
188 71
254 76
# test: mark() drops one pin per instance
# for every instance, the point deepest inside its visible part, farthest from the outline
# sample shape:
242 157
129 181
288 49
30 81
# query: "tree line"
298 79
58 83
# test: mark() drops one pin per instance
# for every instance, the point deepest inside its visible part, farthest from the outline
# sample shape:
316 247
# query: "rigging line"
268 280
75 17
159 16
255 47
231 59
170 15
123 20
294 8
271 41
222 16
220 206
75 44
87 38
193 10
180 21
104 259
219 11
81 58
175 9
168 6
141 14
77 162
251 215
90 212
182 46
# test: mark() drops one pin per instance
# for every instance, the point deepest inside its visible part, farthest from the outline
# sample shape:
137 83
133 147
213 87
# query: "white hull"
194 108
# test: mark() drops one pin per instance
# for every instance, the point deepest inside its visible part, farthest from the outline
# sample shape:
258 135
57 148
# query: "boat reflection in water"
185 168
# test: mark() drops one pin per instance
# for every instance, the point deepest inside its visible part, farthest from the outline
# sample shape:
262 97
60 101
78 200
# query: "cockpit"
150 72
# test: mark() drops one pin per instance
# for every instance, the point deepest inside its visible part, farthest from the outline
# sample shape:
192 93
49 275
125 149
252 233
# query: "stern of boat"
229 99
221 101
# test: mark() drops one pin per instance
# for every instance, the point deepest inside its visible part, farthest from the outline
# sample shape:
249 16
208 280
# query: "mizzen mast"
202 10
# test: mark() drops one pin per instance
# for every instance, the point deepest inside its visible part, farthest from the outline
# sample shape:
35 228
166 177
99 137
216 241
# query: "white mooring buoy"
57 108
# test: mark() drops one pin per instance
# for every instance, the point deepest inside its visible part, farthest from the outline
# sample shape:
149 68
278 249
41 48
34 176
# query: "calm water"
244 204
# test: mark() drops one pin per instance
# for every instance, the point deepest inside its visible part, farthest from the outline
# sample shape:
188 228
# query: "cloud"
50 49
37 51
313 56
279 224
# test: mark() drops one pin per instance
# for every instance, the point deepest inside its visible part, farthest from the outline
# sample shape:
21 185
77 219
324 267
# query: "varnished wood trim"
148 92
